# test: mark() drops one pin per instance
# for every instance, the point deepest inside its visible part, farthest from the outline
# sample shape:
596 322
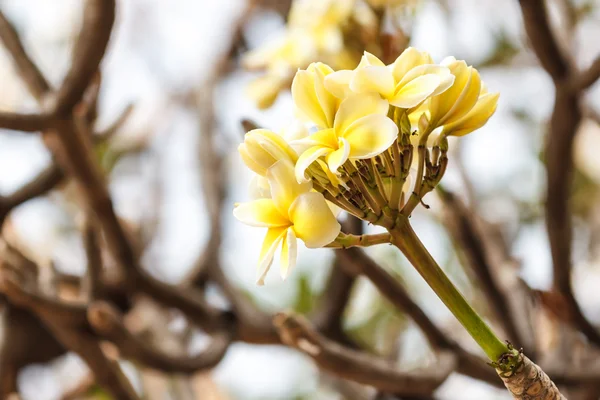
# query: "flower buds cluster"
368 152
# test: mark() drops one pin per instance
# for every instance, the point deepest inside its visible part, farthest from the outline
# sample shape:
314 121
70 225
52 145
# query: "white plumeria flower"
406 83
294 211
360 129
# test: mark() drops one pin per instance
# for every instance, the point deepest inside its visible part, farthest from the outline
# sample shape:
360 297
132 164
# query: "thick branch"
25 122
359 366
542 40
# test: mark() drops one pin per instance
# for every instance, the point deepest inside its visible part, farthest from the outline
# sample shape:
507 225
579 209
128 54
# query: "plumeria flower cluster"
375 144
328 30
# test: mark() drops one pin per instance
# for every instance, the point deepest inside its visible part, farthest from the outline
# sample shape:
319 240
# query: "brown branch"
25 340
117 124
107 322
25 122
564 123
98 19
587 77
27 69
94 258
542 40
66 323
359 366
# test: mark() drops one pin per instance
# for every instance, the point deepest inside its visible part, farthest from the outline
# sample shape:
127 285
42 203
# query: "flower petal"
467 99
337 158
409 59
307 158
259 187
272 239
313 221
476 118
414 92
305 98
338 83
289 253
284 186
249 161
373 79
356 106
370 135
441 105
327 101
261 212
369 59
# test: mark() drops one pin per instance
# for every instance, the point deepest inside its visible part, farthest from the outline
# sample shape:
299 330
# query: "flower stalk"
406 240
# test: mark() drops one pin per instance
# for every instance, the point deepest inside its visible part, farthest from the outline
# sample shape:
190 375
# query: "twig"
587 77
94 258
27 69
98 19
359 366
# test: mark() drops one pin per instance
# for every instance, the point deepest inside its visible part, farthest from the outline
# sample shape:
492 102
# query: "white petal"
306 159
261 212
417 90
289 253
337 158
314 222
272 239
370 136
284 186
373 79
338 83
356 106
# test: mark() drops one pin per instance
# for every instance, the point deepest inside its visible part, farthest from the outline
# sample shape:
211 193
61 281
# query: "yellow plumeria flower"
406 83
313 102
476 117
361 129
263 148
294 211
459 99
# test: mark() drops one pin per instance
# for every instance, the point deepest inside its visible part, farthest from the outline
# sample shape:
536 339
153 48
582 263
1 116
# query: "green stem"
405 238
344 241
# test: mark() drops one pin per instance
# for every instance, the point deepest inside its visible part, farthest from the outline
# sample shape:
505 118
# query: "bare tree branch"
41 184
587 77
359 366
25 122
98 19
542 39
27 69
108 323
564 123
